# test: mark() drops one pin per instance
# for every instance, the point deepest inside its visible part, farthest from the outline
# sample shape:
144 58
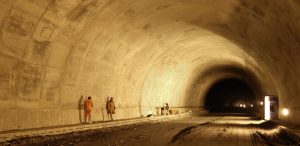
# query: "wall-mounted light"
261 103
285 112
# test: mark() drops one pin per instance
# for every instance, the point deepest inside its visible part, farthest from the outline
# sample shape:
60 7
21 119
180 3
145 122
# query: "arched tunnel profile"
144 53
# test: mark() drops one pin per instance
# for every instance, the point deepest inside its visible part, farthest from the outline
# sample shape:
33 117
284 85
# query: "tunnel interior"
231 95
143 53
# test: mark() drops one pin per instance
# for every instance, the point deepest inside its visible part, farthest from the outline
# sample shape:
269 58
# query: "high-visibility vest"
88 104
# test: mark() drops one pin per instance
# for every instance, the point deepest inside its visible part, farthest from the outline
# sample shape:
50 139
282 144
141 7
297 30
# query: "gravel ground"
208 130
82 138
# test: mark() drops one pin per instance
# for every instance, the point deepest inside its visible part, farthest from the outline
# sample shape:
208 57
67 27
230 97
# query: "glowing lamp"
261 103
285 112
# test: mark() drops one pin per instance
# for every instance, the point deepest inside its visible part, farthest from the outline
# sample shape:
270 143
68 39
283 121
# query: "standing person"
110 106
167 108
88 107
80 108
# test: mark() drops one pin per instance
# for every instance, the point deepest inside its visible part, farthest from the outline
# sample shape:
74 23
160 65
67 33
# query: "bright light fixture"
251 105
261 103
267 108
285 111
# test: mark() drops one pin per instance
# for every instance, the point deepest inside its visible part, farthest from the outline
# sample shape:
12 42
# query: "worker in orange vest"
88 107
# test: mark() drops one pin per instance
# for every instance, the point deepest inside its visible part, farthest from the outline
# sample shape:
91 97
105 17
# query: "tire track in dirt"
184 132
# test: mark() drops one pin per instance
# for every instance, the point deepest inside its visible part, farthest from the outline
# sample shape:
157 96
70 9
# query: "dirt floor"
206 130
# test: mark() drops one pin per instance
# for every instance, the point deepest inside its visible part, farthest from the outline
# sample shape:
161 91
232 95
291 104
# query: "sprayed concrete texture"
144 53
234 130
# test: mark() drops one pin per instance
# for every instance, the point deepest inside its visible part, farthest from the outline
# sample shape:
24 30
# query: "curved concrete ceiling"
142 52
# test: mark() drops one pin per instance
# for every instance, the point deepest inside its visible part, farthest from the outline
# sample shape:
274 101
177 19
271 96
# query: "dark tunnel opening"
231 96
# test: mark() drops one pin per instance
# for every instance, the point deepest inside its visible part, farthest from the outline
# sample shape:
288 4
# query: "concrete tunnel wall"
142 52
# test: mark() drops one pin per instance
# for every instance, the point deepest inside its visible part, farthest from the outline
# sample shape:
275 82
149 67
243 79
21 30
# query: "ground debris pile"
273 134
267 125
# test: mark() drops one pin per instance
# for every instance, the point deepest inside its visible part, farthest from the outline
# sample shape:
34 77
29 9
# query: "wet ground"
205 130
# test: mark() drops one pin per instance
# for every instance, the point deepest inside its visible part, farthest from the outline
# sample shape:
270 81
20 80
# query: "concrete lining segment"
7 136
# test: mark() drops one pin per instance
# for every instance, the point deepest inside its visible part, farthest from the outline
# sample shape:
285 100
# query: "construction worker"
110 106
88 107
167 108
